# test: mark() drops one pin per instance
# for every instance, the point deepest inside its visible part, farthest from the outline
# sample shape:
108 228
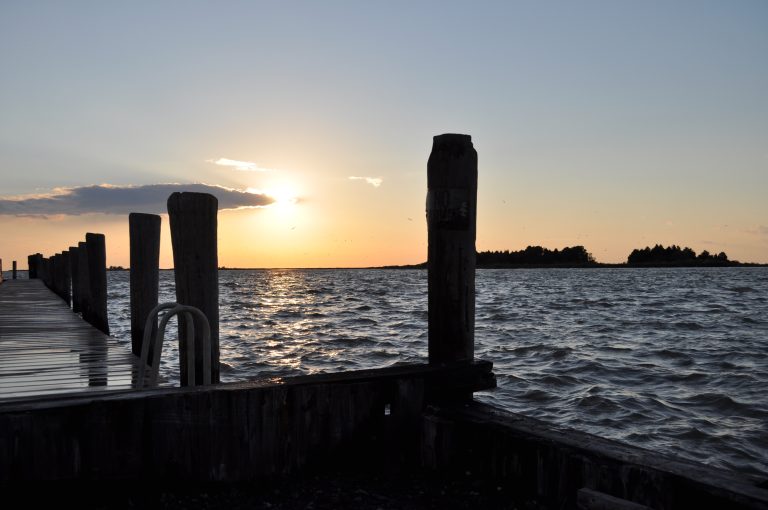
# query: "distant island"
578 256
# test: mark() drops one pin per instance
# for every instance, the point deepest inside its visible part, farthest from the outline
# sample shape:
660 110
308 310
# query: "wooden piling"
451 222
1 270
83 282
193 236
55 275
13 271
144 233
66 278
97 281
31 266
45 268
74 271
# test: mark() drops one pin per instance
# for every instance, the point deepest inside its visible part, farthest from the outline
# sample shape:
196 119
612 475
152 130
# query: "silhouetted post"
55 274
32 266
144 233
66 278
195 261
74 272
97 281
451 223
1 270
45 270
83 282
14 270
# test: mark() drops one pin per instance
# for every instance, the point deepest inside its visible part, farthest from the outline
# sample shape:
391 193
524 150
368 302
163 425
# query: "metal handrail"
168 310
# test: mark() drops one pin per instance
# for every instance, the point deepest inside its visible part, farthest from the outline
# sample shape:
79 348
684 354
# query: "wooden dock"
47 349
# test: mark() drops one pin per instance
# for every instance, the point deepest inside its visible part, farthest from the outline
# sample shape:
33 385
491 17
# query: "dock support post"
14 269
451 223
195 260
66 278
55 274
82 281
144 233
31 267
45 268
97 282
74 272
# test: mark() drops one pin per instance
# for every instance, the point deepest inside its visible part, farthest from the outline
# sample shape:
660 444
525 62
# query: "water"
673 360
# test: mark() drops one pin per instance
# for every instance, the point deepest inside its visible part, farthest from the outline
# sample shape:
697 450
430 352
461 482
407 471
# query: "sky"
609 124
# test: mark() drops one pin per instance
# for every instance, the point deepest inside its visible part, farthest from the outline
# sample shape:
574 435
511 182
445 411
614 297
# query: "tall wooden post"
83 282
97 281
66 278
144 233
451 222
14 269
195 261
74 272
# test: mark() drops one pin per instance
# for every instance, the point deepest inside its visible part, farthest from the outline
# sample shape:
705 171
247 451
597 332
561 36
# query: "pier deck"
46 349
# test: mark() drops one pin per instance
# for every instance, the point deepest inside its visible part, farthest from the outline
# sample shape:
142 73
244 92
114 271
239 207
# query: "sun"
284 196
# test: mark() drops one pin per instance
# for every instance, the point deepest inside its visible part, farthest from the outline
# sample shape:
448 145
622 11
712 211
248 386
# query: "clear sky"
611 124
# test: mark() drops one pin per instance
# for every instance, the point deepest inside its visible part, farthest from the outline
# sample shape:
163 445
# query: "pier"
74 412
45 349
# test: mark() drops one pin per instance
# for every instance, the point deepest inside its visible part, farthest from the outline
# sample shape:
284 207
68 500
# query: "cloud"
373 181
244 166
108 199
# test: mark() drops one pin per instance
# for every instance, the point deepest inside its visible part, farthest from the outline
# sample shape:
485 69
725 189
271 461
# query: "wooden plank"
46 349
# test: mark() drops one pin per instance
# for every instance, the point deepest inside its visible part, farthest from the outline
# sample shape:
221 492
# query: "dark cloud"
108 199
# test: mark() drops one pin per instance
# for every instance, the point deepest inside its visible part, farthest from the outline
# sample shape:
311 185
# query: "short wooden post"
97 281
451 222
144 233
83 282
31 268
193 236
55 274
44 270
13 272
74 271
66 278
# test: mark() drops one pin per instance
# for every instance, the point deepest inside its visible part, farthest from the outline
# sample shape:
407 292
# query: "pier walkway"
47 349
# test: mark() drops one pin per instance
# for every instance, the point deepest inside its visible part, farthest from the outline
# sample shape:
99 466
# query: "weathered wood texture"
83 281
240 431
193 223
74 271
552 464
588 499
95 312
46 349
144 233
33 263
451 222
66 277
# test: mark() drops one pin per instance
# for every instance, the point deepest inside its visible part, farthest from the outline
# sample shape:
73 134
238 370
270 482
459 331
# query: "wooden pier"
71 416
46 349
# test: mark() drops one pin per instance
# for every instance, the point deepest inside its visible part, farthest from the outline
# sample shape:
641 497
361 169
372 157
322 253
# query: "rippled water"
668 359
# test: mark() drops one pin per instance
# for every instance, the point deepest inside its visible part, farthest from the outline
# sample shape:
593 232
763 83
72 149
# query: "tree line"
537 256
676 256
578 256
